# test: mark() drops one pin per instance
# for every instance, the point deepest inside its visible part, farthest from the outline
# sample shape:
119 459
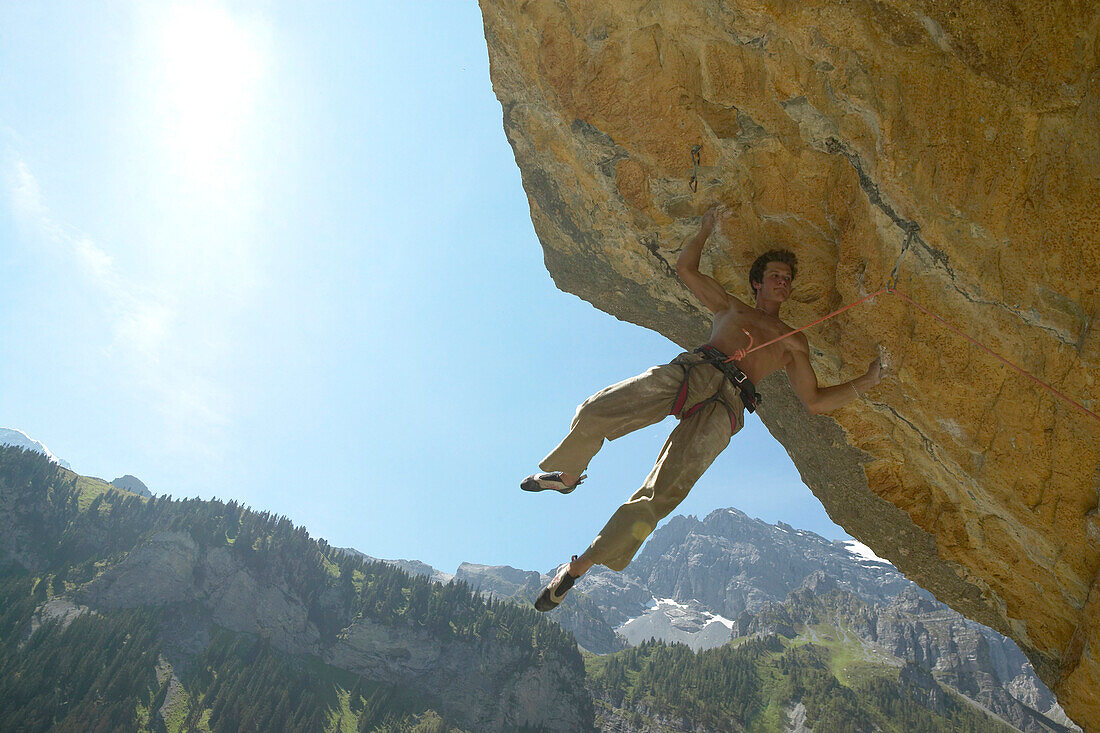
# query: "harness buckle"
752 401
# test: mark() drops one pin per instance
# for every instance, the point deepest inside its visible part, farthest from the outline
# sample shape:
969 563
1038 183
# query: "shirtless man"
704 390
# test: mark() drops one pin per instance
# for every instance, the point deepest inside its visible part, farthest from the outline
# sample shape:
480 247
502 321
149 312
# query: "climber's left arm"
819 399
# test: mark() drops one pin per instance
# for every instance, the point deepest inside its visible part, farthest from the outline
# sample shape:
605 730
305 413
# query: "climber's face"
776 282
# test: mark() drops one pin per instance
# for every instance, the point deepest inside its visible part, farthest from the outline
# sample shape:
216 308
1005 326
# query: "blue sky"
282 254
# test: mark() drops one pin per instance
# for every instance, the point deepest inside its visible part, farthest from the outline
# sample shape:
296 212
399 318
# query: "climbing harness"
749 396
891 288
745 388
694 183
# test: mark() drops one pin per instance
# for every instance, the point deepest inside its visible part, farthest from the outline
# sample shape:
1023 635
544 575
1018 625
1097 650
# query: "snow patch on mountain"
715 618
688 623
863 552
19 439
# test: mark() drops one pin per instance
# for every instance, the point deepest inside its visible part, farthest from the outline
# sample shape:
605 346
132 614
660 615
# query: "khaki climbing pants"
696 441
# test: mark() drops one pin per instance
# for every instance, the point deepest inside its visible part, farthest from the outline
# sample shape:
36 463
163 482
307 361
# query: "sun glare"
209 72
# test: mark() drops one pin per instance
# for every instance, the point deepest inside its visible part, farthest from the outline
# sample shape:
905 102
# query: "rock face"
832 129
170 569
733 563
583 617
935 645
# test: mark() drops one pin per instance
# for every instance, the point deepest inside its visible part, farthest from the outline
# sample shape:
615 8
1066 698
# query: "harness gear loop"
892 282
694 183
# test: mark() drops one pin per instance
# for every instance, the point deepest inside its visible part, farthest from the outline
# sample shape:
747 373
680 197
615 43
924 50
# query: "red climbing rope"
986 349
742 353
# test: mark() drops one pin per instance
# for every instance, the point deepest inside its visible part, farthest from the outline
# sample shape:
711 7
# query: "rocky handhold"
832 129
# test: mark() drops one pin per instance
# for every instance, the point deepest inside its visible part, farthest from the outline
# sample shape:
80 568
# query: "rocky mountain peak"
132 484
913 599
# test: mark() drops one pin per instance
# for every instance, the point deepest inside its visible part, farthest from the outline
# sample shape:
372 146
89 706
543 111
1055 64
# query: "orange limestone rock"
832 128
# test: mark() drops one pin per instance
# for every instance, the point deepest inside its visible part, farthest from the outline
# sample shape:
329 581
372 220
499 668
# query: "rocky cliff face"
833 129
932 642
170 569
583 618
733 563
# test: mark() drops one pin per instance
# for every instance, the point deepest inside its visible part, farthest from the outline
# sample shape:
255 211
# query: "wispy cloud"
141 322
31 210
23 191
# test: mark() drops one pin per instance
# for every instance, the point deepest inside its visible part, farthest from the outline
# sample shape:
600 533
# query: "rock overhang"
833 129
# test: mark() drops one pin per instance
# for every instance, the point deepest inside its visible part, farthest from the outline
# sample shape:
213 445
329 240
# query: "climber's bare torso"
735 321
733 324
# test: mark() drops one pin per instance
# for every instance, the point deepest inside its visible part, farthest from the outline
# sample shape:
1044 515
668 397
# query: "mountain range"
19 439
729 577
150 613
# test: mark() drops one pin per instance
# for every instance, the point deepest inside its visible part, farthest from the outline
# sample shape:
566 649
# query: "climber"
706 390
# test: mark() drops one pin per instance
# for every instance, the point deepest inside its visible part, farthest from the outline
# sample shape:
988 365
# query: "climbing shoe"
547 481
554 593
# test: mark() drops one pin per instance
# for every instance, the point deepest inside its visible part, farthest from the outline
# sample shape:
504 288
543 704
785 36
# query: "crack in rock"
650 242
930 448
939 257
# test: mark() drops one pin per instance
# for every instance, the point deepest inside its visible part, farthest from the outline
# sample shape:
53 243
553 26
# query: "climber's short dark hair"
756 272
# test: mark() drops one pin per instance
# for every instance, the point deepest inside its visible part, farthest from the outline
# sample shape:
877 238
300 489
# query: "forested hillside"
765 685
77 653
